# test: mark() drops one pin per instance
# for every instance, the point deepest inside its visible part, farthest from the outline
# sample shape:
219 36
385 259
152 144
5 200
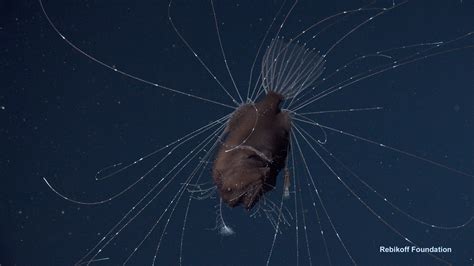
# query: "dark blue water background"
64 117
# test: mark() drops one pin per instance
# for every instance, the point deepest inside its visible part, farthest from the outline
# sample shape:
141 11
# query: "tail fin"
289 68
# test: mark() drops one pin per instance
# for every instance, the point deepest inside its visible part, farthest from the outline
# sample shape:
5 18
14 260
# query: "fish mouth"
249 197
253 198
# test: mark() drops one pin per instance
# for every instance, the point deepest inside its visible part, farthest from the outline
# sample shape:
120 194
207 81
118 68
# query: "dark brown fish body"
252 152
